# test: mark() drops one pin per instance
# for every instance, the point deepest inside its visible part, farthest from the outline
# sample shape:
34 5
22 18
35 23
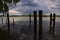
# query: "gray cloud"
28 6
57 6
27 1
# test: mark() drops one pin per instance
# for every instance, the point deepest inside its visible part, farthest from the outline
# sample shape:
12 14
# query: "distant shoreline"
26 16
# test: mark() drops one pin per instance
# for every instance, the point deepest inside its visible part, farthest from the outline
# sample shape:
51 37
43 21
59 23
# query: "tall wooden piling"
2 20
50 23
53 23
40 25
29 21
8 23
35 24
13 22
6 20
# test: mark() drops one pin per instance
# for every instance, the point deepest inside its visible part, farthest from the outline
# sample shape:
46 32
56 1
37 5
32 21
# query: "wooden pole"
50 23
29 21
2 20
8 23
53 23
13 22
40 25
2 17
35 24
6 20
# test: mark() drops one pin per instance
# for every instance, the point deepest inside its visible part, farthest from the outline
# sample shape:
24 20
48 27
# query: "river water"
21 27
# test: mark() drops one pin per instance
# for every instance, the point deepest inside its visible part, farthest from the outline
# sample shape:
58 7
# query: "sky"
28 6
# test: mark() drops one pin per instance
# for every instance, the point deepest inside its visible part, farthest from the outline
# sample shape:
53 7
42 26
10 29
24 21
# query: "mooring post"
6 20
8 24
35 24
53 23
40 25
2 17
50 23
13 22
2 20
29 21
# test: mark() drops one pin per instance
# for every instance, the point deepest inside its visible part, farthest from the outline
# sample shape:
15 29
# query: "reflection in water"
22 31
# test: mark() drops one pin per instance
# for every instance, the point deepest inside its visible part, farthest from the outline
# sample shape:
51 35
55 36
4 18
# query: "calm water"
21 27
27 19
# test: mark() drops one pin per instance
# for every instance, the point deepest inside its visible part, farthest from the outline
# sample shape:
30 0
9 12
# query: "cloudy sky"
28 6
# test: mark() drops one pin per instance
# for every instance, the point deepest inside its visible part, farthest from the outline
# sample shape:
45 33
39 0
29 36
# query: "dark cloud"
56 9
52 0
27 1
28 6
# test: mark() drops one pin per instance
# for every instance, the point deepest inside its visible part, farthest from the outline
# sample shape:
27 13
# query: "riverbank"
26 15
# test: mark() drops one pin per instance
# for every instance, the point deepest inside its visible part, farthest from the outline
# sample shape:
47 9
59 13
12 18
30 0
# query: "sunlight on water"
26 19
21 26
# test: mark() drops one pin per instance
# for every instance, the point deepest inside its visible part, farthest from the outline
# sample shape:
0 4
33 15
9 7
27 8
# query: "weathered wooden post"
13 22
53 24
50 23
6 20
8 23
2 20
29 21
2 17
35 24
40 25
